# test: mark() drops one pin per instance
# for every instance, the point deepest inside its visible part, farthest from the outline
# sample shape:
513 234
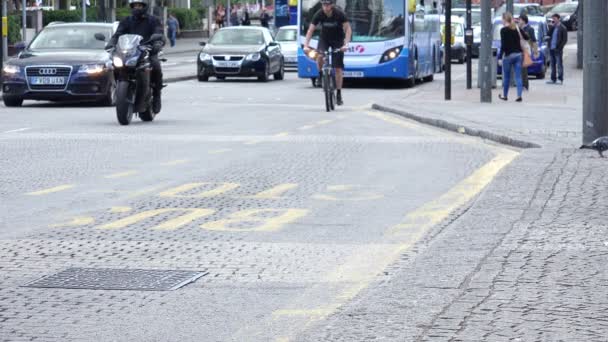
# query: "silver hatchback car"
287 37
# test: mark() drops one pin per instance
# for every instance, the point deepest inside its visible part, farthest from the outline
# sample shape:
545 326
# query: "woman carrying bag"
512 55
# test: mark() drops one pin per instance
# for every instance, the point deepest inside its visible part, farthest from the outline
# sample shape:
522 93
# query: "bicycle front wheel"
327 91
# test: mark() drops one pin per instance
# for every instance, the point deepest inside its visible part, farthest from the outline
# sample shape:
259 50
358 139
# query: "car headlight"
91 69
11 69
117 62
391 54
253 57
204 57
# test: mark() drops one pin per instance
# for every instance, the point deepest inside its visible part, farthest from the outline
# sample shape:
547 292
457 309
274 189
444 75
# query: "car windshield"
475 15
370 20
287 35
71 37
237 37
566 7
519 10
456 29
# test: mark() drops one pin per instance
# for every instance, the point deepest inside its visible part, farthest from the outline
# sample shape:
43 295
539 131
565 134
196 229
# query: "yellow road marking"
218 190
223 150
176 162
274 193
350 195
362 268
282 134
324 122
255 220
303 128
50 190
404 123
121 174
190 215
120 209
76 222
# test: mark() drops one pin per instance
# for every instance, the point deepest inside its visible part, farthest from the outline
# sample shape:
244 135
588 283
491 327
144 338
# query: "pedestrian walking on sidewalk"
511 53
525 27
172 28
558 37
234 16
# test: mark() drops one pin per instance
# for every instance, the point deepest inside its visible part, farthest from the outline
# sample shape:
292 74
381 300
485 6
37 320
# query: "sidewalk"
184 45
526 261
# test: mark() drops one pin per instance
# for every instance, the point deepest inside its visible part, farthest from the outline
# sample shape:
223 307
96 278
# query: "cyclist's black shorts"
338 57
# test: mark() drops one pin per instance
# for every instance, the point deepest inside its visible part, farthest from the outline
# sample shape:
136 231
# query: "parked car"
459 49
64 62
541 61
287 37
241 51
568 12
533 10
475 24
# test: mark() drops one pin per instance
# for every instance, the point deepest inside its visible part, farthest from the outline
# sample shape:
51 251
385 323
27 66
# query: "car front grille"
230 58
227 70
48 71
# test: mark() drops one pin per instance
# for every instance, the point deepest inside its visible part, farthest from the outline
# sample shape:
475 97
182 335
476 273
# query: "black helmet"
143 2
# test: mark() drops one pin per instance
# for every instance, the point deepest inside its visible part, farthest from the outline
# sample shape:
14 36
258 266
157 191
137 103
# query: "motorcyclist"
145 25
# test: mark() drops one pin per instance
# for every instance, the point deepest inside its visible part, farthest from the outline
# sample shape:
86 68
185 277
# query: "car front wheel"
264 77
279 75
12 101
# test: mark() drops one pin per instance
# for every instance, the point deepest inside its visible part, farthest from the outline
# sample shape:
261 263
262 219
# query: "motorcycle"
131 60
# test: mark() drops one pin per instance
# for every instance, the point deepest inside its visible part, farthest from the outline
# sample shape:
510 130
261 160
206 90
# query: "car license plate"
47 80
291 59
353 73
227 64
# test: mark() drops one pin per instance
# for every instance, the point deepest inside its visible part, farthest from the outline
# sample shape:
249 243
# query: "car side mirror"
202 43
100 36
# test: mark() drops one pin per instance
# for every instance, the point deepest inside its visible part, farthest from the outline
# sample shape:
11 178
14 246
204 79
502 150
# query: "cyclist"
335 33
144 25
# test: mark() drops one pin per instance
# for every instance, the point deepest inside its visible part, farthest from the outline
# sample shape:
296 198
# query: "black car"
241 51
64 62
568 12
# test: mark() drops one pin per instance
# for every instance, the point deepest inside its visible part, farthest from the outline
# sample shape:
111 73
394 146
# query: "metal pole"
469 47
485 53
2 42
447 48
510 8
579 34
4 32
84 11
24 20
595 83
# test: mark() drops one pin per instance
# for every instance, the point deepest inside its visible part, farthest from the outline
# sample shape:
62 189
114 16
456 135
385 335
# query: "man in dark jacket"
558 37
140 23
529 30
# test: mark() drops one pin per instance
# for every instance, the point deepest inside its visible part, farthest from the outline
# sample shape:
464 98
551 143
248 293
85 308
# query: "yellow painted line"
120 209
223 150
404 123
352 194
282 134
218 190
121 174
190 214
274 193
176 162
303 128
363 267
324 122
257 220
51 190
75 222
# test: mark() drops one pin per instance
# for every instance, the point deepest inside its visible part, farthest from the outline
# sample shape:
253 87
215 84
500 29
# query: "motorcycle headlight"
204 57
11 69
117 62
91 69
391 54
253 57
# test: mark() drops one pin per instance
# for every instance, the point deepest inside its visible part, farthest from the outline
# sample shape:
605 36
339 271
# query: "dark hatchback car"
64 62
241 51
568 12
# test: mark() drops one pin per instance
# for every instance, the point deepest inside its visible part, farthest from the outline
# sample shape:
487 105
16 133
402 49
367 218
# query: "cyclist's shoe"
339 100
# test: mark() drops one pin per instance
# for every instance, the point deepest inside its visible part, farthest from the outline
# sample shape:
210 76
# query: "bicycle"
329 80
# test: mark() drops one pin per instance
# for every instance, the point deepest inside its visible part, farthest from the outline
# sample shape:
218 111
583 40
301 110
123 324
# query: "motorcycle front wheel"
124 102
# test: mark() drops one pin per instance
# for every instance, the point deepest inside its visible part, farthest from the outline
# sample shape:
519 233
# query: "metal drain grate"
117 279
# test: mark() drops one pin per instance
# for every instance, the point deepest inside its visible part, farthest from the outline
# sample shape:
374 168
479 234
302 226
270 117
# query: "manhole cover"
117 279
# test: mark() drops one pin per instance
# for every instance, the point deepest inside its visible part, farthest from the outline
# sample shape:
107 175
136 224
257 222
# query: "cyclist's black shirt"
332 30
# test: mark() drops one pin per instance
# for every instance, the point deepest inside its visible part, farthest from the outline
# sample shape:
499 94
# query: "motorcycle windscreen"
128 42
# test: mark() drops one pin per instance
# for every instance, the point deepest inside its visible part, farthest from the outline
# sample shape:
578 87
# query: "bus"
392 39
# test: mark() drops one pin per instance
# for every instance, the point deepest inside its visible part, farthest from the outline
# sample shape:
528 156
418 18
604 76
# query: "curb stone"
502 139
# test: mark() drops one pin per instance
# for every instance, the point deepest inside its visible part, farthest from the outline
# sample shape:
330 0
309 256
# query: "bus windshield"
370 20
